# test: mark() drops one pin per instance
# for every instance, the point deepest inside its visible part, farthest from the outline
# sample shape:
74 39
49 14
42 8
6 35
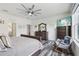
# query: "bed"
22 46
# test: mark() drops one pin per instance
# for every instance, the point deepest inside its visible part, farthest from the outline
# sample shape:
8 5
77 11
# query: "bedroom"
23 23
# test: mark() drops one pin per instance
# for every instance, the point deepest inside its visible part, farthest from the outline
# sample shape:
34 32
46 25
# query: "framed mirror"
42 27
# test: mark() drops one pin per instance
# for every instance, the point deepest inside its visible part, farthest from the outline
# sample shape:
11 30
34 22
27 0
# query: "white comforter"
22 46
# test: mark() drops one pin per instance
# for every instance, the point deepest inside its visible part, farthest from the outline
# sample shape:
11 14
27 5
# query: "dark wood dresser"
61 31
43 35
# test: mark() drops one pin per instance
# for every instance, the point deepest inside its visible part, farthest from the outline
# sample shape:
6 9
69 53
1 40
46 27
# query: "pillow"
1 44
6 41
2 47
67 40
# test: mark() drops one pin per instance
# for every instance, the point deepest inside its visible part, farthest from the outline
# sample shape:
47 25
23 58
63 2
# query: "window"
76 24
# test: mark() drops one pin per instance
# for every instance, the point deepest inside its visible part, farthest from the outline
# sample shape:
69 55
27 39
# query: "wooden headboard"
23 35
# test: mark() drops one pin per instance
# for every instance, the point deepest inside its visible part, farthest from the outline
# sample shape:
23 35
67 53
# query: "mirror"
42 27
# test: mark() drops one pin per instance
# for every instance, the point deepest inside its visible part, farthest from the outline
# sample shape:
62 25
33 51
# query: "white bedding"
22 46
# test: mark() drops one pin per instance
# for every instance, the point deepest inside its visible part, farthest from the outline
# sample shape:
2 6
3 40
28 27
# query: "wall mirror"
42 27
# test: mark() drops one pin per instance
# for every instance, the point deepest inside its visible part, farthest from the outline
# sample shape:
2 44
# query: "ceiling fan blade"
35 15
24 6
33 6
20 9
38 13
37 10
23 13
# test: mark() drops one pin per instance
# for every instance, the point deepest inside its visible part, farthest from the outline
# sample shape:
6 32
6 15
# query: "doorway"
12 29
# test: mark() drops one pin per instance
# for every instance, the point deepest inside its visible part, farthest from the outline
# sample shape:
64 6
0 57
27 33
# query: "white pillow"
2 47
6 41
1 44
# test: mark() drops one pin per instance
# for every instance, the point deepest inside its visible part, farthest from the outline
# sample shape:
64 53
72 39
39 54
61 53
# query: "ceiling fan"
30 11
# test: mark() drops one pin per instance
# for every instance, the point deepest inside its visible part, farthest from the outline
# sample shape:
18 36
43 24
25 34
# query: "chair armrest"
64 46
63 43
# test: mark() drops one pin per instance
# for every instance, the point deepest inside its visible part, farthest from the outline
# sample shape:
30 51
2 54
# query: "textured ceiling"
48 9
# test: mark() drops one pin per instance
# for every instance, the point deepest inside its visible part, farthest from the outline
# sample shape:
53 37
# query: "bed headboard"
23 35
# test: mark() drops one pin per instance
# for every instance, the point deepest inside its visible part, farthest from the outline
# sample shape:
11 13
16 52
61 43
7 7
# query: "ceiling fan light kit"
30 11
30 14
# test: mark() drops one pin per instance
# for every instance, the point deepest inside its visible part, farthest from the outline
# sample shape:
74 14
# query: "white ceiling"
48 9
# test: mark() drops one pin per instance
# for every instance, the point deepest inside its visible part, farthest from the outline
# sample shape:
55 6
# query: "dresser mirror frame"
42 27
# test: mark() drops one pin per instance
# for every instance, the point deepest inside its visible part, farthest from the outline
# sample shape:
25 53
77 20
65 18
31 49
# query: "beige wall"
21 22
51 25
